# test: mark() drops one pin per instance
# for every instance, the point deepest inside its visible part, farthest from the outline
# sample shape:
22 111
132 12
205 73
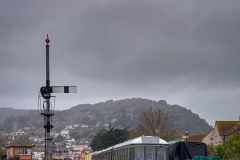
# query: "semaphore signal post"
47 110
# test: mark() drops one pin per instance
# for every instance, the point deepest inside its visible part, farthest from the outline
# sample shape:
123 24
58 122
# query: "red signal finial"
47 40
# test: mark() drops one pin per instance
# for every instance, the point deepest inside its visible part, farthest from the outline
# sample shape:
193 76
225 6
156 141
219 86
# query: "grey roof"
138 140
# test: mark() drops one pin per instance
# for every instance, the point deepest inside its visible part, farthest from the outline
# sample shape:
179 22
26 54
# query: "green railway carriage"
141 148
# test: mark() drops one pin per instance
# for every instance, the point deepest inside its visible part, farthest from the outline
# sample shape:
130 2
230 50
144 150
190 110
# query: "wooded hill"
124 112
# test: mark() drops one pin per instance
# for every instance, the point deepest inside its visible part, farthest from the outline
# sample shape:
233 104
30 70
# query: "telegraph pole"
47 110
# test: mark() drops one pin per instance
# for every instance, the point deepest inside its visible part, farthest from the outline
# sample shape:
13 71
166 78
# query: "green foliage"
221 151
105 139
218 150
233 147
98 141
229 150
59 138
211 150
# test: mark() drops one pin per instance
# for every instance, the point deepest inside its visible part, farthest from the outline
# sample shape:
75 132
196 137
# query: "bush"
228 150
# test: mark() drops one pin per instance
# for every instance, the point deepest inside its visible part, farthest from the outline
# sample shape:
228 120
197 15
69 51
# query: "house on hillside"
98 124
37 155
113 120
71 140
20 148
221 131
65 132
79 147
68 127
26 128
84 126
75 125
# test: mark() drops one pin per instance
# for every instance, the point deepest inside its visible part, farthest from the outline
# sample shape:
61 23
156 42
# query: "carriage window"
161 153
122 153
150 153
25 151
125 152
139 153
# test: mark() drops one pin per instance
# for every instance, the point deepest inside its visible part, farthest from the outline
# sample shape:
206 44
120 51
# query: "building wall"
215 136
88 156
15 151
9 152
81 156
26 157
22 157
209 138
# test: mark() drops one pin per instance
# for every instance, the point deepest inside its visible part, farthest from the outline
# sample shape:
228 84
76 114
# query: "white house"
84 126
69 127
106 125
113 120
36 155
65 132
72 140
26 128
75 125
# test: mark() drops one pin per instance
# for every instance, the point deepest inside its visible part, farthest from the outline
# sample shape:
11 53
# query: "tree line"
151 123
160 124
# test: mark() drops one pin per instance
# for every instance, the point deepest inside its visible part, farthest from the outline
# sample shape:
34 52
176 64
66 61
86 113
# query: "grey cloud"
121 49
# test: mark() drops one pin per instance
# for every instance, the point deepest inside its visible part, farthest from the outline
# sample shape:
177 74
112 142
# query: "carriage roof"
138 140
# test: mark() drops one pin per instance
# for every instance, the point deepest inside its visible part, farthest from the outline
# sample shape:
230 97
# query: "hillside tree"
105 138
59 138
155 123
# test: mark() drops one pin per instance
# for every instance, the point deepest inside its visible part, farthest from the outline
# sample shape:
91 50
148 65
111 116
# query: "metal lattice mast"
47 112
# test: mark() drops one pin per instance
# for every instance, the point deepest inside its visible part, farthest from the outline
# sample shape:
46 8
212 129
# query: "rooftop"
20 142
224 126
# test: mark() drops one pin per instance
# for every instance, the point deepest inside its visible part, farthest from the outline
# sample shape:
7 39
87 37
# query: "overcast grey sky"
184 52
